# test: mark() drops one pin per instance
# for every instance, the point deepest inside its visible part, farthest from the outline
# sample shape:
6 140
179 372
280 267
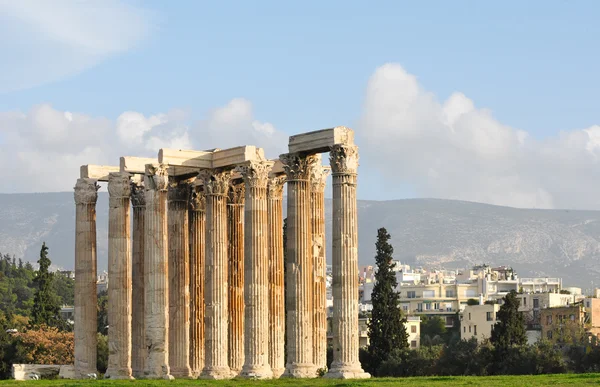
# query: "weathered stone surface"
119 272
346 364
138 323
26 371
256 274
299 268
276 276
97 172
235 230
86 195
321 140
216 185
67 372
197 276
156 273
179 280
318 178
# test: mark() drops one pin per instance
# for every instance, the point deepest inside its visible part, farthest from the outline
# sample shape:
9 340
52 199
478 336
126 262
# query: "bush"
45 345
102 353
406 362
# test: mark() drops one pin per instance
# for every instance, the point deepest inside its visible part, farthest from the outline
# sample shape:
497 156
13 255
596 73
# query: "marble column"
318 178
156 273
86 301
119 274
138 347
235 229
256 273
216 185
276 276
299 267
346 365
197 238
179 280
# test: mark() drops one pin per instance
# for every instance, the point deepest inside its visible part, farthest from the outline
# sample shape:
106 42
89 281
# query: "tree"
510 328
46 308
433 331
387 331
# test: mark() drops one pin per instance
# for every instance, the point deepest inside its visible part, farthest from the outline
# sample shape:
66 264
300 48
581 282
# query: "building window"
449 320
428 293
489 316
411 294
549 320
413 329
428 306
464 329
524 301
469 329
469 316
549 334
450 293
405 308
475 330
536 302
419 307
413 344
572 317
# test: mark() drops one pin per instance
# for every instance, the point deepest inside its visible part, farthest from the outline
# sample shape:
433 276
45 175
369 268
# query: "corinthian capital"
86 191
138 194
318 177
275 187
298 166
179 191
157 177
343 159
237 191
216 181
119 185
256 173
197 200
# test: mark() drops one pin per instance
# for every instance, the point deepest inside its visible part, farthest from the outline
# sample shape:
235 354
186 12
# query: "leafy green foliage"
433 331
387 331
510 328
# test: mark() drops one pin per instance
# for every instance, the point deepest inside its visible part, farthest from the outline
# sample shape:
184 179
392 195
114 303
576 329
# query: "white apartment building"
476 321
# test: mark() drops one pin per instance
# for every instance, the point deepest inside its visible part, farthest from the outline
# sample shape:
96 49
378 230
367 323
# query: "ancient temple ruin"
197 268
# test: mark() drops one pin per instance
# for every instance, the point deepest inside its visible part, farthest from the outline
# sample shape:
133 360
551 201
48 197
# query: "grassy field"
491 381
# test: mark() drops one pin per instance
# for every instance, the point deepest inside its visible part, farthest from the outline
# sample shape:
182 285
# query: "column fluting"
318 178
256 273
346 364
276 276
156 273
138 347
235 229
179 280
216 186
119 274
86 300
299 268
197 279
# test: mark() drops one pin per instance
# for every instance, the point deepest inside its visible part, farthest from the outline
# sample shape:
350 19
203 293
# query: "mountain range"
431 233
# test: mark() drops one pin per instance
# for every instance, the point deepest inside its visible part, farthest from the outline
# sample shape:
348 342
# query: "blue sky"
530 66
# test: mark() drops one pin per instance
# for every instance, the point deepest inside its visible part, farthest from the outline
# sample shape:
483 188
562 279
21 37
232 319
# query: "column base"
84 374
181 373
216 373
256 372
159 377
119 374
300 371
346 371
278 372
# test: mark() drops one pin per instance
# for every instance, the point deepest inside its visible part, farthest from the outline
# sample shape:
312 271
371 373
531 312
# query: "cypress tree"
387 331
510 328
46 309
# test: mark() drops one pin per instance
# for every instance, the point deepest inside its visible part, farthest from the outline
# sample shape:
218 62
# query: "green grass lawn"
490 381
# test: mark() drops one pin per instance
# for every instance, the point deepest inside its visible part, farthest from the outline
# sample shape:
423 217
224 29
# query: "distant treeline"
17 287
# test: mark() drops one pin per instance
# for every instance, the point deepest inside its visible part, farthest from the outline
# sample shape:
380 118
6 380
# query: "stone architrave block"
321 141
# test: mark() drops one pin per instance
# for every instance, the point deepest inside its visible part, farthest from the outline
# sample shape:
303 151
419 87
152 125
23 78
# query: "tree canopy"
510 328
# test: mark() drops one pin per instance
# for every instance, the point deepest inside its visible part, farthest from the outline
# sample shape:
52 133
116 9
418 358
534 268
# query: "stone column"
235 229
86 301
216 185
197 239
276 277
156 273
317 218
119 274
138 347
256 273
179 280
346 364
299 268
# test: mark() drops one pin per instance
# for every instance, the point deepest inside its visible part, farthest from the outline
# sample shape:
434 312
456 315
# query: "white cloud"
44 147
453 149
43 41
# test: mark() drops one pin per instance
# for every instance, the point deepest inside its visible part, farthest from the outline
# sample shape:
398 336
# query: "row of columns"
218 311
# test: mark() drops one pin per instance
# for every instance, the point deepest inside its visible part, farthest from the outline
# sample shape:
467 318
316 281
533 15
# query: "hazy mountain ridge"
427 232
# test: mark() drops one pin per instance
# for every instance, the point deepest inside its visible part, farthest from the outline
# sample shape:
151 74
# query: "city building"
477 321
